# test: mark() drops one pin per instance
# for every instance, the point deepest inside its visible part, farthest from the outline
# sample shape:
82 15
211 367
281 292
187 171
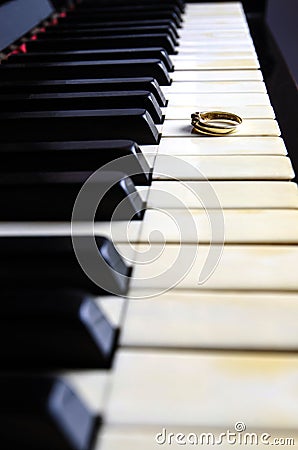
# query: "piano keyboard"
185 350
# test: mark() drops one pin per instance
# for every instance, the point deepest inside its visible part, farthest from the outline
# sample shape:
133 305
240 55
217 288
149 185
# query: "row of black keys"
61 99
128 56
45 110
48 174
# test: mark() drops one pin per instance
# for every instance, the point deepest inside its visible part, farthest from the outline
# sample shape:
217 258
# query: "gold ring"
215 122
211 129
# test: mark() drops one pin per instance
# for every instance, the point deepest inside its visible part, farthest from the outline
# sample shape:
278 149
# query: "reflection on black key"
154 3
87 85
93 55
51 196
107 42
129 23
87 69
135 124
81 101
38 412
75 156
120 10
50 328
91 16
56 33
41 262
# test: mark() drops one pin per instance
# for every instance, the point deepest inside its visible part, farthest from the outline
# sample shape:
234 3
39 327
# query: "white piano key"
253 145
216 9
215 86
208 390
209 100
218 26
196 320
232 167
208 30
246 112
208 16
144 437
240 267
230 194
217 75
242 42
198 56
218 64
215 45
249 127
240 227
214 19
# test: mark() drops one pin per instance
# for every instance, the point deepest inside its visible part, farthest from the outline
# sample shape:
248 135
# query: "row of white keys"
255 107
201 29
194 390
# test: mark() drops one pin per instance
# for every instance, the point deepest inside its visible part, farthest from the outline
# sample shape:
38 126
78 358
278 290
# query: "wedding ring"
215 122
211 131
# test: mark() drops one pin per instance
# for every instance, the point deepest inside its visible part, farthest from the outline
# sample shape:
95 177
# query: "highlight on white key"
165 274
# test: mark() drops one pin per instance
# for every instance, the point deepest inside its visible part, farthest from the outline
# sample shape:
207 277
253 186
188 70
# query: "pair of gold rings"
215 123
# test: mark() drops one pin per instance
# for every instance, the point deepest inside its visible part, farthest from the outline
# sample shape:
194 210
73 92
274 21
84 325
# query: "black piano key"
51 196
91 3
82 125
130 23
75 156
124 9
82 101
34 322
41 262
95 85
92 16
105 42
93 55
87 69
56 33
42 412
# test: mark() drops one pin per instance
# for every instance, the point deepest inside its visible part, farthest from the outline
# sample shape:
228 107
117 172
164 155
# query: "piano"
148 272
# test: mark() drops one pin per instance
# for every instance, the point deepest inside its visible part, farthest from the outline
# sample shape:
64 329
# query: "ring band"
211 131
222 119
215 122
